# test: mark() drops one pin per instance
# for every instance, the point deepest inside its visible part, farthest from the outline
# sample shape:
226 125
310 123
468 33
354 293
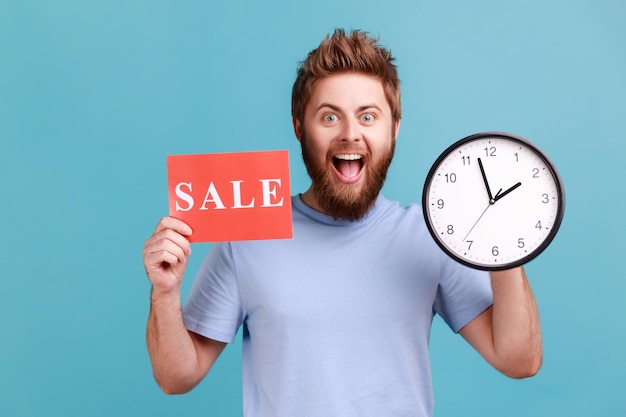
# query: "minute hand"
500 195
482 171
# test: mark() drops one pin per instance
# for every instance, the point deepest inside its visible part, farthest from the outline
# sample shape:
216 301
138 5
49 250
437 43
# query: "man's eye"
330 118
367 117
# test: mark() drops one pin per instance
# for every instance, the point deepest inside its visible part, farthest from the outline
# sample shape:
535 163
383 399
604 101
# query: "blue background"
94 94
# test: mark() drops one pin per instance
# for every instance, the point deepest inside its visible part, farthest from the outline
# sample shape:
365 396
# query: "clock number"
466 160
520 242
535 172
490 151
451 178
469 242
545 199
440 204
495 251
516 157
538 225
450 230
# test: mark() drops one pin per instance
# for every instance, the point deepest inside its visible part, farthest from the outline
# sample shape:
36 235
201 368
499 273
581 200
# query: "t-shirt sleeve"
213 308
463 293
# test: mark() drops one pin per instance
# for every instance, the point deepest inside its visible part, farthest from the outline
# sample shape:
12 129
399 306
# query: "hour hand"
482 171
499 196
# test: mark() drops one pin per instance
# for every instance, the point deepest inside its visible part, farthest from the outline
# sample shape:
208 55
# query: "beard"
346 201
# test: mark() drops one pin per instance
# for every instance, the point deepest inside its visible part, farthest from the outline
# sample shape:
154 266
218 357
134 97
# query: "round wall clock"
493 201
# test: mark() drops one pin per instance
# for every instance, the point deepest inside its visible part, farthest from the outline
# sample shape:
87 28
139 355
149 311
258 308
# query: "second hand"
481 216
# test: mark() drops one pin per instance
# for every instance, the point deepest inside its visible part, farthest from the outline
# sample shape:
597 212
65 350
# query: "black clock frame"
511 137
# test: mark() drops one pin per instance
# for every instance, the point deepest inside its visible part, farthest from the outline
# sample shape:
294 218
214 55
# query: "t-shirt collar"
301 206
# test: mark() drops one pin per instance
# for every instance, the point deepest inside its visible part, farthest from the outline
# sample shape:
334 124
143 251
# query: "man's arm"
508 334
180 359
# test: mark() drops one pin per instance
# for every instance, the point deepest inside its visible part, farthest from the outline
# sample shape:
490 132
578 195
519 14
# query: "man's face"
348 140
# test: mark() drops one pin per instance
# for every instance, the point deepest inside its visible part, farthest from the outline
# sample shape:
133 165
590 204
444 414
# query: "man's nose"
350 130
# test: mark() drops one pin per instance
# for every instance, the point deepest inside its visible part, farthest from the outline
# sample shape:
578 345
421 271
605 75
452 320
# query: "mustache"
346 148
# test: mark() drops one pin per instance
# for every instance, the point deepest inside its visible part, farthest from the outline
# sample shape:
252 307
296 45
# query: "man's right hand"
180 358
165 254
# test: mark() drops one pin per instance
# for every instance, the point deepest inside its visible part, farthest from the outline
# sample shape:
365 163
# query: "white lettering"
212 197
270 192
270 188
237 196
184 196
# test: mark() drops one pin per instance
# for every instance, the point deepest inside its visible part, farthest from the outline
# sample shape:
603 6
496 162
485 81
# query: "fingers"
169 236
171 229
162 238
166 246
167 250
176 225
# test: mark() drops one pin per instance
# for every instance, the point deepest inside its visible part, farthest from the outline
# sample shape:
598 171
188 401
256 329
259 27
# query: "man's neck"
309 199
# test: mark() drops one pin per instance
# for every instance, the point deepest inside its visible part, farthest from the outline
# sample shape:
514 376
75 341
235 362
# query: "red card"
231 196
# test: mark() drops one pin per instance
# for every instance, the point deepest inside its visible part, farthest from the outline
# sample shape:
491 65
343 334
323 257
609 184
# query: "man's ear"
297 128
397 128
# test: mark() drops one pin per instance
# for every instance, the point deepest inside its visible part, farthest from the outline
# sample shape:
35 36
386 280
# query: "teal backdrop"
95 94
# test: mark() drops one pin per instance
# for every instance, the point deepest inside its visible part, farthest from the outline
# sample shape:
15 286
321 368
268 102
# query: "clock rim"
506 136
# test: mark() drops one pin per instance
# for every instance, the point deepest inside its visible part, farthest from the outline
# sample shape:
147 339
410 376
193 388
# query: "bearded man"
336 321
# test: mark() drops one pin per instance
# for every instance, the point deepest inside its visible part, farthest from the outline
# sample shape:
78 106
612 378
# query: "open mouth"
349 167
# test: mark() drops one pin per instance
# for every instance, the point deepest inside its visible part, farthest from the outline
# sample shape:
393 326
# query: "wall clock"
493 201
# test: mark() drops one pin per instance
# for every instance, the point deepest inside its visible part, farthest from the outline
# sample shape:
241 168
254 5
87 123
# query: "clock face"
493 201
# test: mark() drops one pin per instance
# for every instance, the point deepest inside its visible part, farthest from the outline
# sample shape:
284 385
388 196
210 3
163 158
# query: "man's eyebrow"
338 109
370 106
331 106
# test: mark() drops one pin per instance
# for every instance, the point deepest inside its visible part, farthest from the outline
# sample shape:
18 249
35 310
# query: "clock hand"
482 171
491 200
499 196
480 217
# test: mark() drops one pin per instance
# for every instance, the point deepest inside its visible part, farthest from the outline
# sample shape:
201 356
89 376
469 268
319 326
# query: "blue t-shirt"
336 321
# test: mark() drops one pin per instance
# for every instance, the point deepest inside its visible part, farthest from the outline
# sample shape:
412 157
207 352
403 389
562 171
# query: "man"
336 320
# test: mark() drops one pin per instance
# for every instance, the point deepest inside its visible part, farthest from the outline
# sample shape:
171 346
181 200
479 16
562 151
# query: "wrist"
508 274
159 295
